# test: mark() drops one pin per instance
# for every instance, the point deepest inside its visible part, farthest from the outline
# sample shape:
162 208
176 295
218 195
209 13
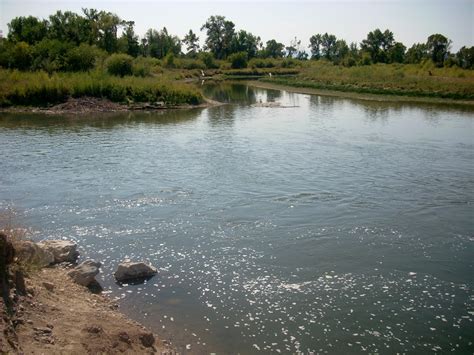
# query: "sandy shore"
57 316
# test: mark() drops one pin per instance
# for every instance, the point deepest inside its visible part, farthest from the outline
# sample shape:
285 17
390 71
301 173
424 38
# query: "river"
317 224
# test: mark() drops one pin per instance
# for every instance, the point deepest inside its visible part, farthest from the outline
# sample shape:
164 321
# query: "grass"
39 89
387 79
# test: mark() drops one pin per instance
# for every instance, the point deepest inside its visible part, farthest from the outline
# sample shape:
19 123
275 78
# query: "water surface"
324 225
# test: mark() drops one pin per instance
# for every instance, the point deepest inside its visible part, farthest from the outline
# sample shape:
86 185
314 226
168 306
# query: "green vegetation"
99 54
392 79
39 88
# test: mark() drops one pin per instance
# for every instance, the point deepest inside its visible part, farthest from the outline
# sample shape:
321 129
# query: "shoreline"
52 305
364 97
88 105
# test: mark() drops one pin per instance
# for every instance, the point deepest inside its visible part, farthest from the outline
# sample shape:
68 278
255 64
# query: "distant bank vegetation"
98 53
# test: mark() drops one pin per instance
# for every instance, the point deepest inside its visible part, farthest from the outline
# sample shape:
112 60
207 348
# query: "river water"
322 224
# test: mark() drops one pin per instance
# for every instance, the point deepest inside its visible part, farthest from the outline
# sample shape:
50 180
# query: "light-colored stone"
84 273
62 250
31 253
134 270
48 285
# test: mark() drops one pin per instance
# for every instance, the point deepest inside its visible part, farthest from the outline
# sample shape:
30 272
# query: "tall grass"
39 89
395 79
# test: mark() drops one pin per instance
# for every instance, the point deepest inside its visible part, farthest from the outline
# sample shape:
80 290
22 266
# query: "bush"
83 58
142 66
169 61
261 63
238 60
119 64
288 63
21 56
185 63
208 60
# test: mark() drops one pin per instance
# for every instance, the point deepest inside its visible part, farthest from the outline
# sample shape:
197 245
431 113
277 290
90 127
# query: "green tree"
27 29
244 41
50 54
377 45
465 57
69 27
159 44
274 49
192 43
128 42
340 51
315 43
396 54
220 34
328 46
416 53
438 47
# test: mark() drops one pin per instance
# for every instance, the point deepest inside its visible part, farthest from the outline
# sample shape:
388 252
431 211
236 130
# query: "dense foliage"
67 41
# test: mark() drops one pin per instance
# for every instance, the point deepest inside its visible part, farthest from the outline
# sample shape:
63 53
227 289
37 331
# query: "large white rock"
134 270
31 253
84 273
62 250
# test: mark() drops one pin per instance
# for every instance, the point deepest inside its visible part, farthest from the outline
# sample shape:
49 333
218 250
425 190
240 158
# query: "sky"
411 21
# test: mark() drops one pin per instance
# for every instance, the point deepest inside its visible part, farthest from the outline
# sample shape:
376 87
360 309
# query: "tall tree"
27 29
220 33
274 49
438 47
465 57
396 54
416 53
377 44
244 41
128 42
315 43
159 44
192 43
328 46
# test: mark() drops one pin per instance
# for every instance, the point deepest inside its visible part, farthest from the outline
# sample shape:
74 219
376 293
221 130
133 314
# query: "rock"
123 336
147 339
7 252
32 254
48 285
134 271
94 329
84 273
62 250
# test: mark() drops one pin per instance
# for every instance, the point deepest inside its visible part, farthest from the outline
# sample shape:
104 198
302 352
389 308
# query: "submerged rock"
84 273
32 254
134 271
62 250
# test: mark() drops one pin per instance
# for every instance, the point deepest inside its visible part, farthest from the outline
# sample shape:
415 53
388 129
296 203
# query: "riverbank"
38 89
45 311
88 105
275 85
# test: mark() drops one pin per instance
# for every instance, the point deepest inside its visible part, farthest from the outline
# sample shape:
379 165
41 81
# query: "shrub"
208 60
238 60
142 66
169 61
83 58
119 64
21 56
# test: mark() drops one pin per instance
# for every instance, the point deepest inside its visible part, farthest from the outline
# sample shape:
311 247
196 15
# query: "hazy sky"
410 20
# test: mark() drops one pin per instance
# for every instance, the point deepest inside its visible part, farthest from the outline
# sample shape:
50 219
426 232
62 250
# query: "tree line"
70 41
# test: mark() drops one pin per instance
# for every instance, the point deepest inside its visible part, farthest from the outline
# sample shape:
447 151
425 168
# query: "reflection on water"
324 224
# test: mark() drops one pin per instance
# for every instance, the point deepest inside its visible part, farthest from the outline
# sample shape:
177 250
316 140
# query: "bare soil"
57 316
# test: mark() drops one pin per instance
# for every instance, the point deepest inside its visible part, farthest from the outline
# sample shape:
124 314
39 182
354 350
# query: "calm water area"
318 224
